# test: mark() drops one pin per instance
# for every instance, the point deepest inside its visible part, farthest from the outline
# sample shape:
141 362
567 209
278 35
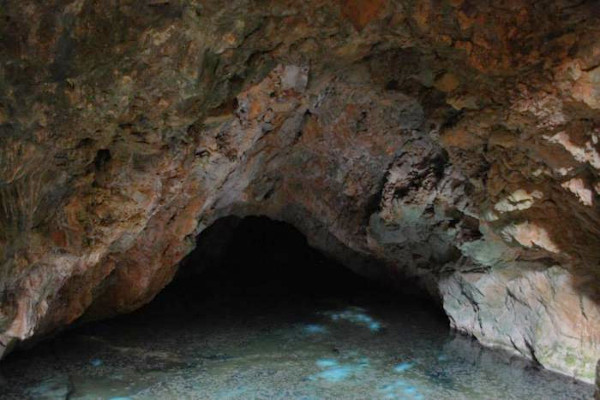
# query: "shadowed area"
260 257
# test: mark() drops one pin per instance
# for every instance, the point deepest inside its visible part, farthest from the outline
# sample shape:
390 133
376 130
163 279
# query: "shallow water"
307 348
262 316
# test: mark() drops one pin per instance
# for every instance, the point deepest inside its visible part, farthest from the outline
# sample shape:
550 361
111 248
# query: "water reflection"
290 350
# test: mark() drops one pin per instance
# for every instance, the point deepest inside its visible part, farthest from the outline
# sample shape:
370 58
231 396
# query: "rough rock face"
597 393
450 141
528 309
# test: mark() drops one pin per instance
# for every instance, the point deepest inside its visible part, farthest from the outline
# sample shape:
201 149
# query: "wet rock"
51 389
597 393
523 309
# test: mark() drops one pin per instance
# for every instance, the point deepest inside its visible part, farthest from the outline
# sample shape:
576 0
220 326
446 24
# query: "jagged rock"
597 393
448 141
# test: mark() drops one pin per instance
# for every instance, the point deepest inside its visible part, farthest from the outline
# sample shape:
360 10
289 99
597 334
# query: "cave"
256 312
431 155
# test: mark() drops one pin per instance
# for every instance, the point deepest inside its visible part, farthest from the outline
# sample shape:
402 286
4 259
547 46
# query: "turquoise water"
290 347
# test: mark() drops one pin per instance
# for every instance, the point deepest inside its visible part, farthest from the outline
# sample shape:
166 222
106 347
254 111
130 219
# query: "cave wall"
450 141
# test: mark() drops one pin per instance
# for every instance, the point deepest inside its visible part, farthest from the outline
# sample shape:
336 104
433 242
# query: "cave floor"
312 347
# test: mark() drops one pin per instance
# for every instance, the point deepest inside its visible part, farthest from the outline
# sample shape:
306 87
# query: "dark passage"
257 266
260 258
256 313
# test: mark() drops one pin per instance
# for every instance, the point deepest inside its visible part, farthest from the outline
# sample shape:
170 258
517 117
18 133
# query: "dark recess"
259 257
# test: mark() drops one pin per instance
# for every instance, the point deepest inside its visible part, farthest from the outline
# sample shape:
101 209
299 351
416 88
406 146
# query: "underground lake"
265 316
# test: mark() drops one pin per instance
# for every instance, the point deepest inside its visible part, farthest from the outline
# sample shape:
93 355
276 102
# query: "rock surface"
528 309
453 142
597 393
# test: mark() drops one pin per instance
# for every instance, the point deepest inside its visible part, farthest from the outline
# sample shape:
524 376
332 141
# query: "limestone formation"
451 142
